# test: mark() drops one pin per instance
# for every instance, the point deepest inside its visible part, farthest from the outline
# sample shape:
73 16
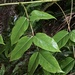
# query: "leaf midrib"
47 46
20 27
34 63
23 45
47 60
62 38
68 64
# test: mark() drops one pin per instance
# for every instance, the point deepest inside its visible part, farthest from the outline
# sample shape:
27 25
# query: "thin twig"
74 51
63 14
32 29
16 3
70 15
72 73
48 5
25 11
28 19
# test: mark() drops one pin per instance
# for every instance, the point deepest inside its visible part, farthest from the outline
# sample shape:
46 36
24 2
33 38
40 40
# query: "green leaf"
46 72
48 62
1 40
37 15
61 38
23 45
45 42
34 5
72 35
7 48
33 63
20 27
2 70
67 64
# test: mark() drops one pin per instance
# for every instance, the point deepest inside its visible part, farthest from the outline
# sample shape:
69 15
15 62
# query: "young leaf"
37 15
67 64
48 62
72 35
45 42
20 27
61 38
23 45
1 40
33 63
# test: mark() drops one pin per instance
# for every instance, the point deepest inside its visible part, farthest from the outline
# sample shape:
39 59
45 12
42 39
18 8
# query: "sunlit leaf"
20 27
61 38
23 45
48 62
37 15
45 42
72 35
33 63
1 40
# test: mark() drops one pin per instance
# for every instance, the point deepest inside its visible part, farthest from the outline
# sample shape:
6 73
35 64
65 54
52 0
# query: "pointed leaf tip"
38 15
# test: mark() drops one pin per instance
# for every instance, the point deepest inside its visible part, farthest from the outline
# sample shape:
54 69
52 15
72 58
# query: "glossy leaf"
72 35
45 42
1 40
20 27
67 64
37 15
33 63
48 62
61 38
23 45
